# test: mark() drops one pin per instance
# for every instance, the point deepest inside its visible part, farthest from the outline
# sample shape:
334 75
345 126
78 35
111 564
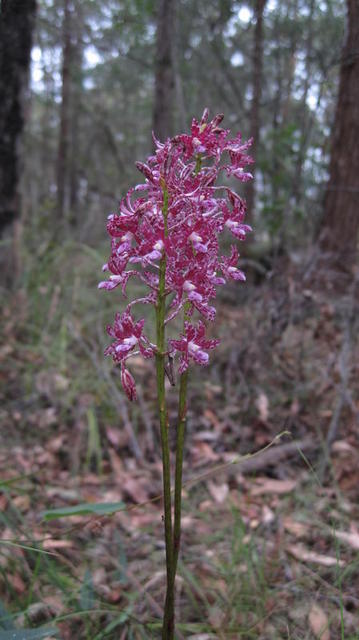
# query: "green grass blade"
87 509
28 634
12 543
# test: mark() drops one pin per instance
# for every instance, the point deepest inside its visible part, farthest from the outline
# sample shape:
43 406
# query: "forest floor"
270 546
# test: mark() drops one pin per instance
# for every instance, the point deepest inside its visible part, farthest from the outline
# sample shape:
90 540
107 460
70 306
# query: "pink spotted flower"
193 345
186 171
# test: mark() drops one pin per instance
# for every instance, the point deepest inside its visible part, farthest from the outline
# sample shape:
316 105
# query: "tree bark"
164 71
256 98
64 131
17 19
338 234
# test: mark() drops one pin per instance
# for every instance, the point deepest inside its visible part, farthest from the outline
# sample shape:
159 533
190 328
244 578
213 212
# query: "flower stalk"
181 432
180 440
168 618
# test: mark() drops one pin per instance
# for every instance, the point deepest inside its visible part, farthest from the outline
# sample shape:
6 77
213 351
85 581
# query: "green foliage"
112 91
93 457
87 593
99 509
28 634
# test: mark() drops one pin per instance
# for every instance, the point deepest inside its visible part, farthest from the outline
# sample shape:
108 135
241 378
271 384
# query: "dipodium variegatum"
167 233
173 220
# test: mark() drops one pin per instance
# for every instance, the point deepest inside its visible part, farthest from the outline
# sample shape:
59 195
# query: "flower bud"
128 383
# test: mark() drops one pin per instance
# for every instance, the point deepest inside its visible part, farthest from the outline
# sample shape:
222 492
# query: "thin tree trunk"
164 71
180 98
256 98
76 93
17 21
338 237
305 118
276 117
64 131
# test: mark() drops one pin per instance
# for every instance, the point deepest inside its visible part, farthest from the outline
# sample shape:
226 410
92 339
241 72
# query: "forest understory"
270 542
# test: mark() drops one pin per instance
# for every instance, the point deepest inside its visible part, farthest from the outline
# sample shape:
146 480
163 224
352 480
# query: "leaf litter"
252 536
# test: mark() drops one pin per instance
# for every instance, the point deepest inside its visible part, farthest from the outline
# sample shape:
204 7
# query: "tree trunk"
64 131
338 234
179 92
76 106
305 118
17 19
256 98
164 71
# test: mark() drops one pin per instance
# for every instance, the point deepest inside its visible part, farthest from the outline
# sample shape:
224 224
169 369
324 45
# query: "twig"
265 457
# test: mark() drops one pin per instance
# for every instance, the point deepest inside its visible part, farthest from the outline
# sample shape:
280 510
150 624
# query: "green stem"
168 618
181 431
180 438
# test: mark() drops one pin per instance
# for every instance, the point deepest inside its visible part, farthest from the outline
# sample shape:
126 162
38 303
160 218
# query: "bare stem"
168 618
181 430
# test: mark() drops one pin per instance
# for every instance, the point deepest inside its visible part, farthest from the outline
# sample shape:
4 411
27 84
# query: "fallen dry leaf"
54 602
57 544
299 552
202 454
267 515
55 444
17 583
116 463
352 539
325 413
5 351
208 436
318 622
201 636
262 404
114 436
136 488
212 418
187 523
219 492
264 486
297 529
206 505
61 383
342 446
115 594
22 502
99 576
